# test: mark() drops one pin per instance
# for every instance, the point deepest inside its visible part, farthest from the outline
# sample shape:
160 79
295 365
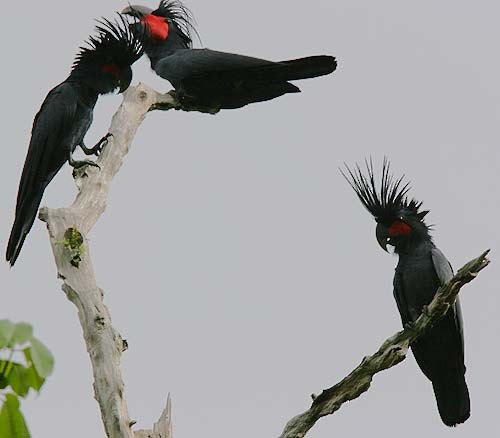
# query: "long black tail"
26 212
309 67
294 69
440 355
452 398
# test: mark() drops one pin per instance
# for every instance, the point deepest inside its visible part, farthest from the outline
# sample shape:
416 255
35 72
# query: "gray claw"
96 150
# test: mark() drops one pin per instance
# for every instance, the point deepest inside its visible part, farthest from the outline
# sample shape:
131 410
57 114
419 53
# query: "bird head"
171 17
400 222
105 62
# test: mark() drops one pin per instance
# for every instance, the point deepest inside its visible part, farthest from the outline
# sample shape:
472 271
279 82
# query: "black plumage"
210 80
65 116
421 269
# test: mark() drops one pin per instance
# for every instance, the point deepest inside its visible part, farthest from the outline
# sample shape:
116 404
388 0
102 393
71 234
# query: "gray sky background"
235 259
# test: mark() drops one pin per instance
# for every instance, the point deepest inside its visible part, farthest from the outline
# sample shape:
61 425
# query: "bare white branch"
68 229
162 428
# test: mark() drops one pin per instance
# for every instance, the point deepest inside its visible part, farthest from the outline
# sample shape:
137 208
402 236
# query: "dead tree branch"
392 352
68 229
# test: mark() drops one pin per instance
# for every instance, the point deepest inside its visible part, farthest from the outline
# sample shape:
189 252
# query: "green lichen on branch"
74 243
392 351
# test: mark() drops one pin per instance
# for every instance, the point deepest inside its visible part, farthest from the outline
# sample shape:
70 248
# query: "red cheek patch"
157 26
399 229
111 68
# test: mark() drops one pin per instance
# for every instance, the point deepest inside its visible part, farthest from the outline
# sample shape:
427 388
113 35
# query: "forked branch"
68 229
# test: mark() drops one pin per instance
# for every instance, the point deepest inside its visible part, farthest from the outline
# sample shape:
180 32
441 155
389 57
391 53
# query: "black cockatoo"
102 66
208 80
422 269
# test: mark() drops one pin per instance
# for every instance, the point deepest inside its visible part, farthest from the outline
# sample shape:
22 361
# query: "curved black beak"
382 233
124 80
137 11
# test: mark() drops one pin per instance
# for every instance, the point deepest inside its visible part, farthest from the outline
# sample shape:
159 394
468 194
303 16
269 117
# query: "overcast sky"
235 259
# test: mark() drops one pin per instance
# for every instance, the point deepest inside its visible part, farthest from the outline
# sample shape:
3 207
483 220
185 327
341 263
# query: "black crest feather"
181 16
390 201
112 43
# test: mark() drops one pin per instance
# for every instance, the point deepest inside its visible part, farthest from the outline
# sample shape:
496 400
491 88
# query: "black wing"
205 64
47 152
444 272
189 63
450 388
399 296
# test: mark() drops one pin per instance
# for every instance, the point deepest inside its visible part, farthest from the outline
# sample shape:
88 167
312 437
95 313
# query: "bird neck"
159 50
87 93
409 247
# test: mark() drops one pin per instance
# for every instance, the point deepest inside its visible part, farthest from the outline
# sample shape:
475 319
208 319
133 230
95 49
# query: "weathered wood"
162 428
68 229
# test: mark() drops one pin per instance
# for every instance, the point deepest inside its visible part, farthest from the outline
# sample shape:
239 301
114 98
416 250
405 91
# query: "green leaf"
33 379
23 332
42 358
6 330
27 355
3 367
3 381
18 379
12 424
